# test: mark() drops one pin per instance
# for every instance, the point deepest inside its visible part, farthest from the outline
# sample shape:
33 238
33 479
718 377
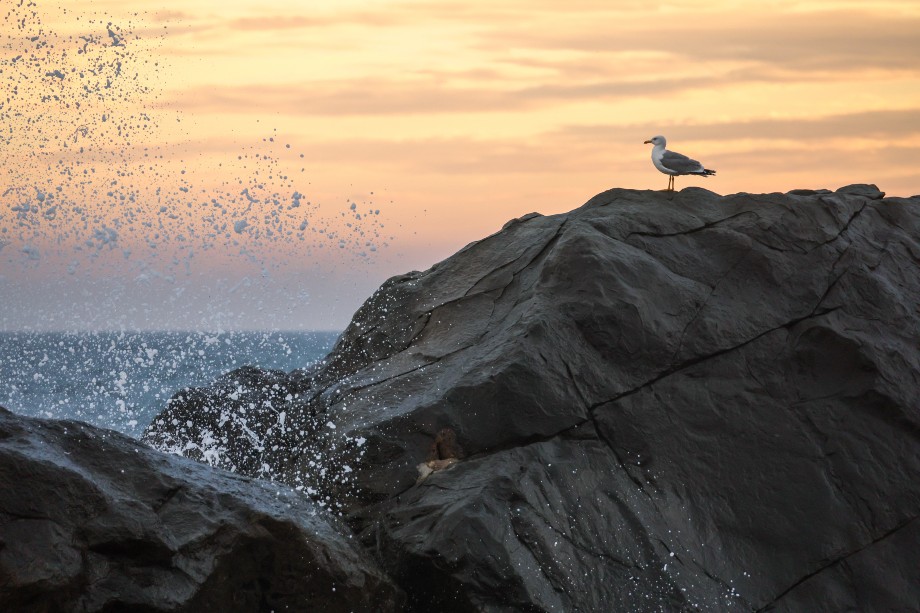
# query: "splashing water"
122 380
113 218
123 220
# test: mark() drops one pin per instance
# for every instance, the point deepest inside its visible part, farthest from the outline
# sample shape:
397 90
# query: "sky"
239 164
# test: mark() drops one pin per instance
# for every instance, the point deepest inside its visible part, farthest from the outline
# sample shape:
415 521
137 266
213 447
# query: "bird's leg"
670 183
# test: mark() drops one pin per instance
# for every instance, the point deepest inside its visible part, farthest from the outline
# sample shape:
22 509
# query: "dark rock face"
93 521
226 417
666 402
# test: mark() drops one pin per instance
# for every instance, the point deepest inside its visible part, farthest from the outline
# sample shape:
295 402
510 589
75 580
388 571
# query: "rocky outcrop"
666 402
91 520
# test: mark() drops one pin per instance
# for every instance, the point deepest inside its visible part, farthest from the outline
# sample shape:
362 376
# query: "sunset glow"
449 118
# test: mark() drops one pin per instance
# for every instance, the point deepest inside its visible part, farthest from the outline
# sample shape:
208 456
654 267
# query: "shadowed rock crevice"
672 402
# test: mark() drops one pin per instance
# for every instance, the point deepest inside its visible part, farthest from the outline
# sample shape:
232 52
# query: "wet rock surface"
91 520
666 402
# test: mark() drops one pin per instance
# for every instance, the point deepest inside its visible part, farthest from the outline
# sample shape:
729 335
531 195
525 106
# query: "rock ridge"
667 402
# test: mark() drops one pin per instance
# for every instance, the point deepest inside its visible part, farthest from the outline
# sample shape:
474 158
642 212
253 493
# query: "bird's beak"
647 142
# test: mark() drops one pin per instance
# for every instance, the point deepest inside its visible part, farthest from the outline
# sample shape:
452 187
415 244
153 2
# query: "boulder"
667 401
91 520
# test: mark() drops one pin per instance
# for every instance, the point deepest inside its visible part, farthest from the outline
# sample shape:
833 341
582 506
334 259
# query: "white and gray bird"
673 164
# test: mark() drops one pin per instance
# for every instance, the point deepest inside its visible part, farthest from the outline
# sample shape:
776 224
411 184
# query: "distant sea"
121 380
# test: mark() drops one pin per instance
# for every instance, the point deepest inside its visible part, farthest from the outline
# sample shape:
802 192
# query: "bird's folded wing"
680 163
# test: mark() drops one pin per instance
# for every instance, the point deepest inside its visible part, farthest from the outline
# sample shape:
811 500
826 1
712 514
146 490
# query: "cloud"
273 23
816 37
160 16
882 125
814 41
429 95
432 93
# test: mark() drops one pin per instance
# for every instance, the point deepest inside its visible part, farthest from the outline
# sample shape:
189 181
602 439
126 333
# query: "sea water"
121 380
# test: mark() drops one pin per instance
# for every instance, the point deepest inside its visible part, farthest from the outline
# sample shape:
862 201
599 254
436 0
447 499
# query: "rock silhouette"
666 402
91 520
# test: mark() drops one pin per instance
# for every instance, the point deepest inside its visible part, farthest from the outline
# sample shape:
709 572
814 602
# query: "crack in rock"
836 561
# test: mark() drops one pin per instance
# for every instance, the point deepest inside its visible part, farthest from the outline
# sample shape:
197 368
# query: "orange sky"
448 117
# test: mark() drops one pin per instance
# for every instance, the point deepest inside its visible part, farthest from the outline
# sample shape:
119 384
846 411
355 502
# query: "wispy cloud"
277 22
384 97
885 126
431 95
824 37
824 40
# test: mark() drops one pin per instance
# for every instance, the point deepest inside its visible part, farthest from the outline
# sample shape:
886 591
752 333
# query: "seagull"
673 164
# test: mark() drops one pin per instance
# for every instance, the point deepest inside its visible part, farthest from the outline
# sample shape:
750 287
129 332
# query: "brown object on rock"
426 468
443 453
445 446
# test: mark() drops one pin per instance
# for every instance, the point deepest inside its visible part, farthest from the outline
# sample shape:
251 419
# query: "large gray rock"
91 520
666 401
